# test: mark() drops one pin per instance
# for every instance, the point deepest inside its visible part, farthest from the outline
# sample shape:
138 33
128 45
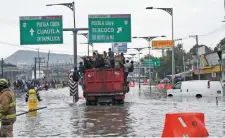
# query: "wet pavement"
142 114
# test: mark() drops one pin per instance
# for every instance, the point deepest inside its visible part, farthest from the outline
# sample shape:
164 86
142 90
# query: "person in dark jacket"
111 58
123 58
81 71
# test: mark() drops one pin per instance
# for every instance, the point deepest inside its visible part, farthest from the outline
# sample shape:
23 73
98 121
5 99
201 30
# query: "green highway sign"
109 28
155 62
36 30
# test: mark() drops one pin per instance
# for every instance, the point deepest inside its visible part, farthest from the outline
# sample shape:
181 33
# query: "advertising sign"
161 44
204 61
119 47
201 50
213 59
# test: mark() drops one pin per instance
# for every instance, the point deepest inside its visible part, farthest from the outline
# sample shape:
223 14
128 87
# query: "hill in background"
27 57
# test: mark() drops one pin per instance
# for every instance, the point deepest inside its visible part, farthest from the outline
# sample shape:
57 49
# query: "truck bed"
108 81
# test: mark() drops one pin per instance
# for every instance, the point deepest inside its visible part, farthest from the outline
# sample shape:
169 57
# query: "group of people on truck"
106 60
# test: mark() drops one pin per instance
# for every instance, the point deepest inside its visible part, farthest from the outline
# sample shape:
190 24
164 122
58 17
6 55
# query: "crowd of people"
106 60
25 85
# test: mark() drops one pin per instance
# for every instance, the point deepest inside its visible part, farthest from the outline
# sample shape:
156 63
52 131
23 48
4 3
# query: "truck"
104 86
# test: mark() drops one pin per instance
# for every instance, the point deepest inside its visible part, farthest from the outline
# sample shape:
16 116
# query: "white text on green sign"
152 62
109 28
41 30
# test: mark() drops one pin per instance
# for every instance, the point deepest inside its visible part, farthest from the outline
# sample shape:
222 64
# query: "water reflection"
143 114
106 121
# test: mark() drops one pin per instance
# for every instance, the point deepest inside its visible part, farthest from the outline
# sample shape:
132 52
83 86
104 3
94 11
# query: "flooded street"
142 114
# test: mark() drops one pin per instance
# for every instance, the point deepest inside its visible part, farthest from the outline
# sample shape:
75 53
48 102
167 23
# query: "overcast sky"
202 17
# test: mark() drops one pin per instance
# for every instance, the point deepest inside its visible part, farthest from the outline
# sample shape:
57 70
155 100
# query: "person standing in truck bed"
111 57
81 71
127 65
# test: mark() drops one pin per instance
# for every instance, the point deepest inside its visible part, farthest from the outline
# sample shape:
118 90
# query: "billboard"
213 59
162 44
119 47
201 50
204 61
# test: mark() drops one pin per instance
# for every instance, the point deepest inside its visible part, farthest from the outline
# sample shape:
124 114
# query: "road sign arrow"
32 31
119 29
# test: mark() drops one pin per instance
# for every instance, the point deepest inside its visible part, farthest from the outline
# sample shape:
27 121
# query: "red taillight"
208 84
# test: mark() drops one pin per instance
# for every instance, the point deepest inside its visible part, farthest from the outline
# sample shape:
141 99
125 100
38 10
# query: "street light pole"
2 68
198 56
72 7
139 50
149 39
89 44
39 64
170 11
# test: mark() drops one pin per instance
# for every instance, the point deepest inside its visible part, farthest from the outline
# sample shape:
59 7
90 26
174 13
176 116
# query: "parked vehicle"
104 86
197 88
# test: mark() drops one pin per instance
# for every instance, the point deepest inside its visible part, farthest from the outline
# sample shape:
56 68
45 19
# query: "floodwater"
143 114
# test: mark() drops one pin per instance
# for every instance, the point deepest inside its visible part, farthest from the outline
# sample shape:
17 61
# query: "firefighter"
31 92
7 109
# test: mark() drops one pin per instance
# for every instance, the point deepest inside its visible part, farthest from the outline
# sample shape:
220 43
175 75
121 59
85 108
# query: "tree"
221 44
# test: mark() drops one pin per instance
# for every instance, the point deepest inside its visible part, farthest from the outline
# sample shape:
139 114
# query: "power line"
217 30
14 45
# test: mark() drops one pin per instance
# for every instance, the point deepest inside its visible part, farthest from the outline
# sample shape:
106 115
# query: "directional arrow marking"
119 29
32 31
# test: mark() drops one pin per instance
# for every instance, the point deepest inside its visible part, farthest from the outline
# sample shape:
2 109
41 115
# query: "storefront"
209 73
211 69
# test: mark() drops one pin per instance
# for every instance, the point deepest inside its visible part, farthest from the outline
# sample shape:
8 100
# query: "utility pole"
183 60
224 11
39 63
196 39
2 68
48 64
35 68
57 70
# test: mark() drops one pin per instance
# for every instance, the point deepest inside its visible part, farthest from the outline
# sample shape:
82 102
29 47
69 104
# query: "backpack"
131 69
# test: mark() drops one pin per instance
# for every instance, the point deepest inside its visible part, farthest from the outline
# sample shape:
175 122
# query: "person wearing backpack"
76 75
131 69
127 66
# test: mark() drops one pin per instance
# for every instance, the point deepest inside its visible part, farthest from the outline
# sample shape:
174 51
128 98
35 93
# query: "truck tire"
128 89
121 102
118 102
87 103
